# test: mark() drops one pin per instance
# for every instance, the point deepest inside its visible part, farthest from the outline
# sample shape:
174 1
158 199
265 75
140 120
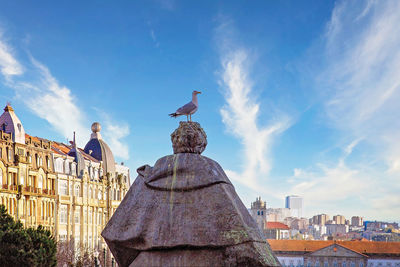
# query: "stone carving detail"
189 138
184 211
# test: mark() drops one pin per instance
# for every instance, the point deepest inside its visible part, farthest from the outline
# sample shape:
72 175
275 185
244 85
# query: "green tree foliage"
25 247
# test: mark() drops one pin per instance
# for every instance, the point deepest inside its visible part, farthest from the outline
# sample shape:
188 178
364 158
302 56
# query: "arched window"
115 194
90 192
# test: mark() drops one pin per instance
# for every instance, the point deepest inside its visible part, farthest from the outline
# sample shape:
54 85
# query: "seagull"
188 109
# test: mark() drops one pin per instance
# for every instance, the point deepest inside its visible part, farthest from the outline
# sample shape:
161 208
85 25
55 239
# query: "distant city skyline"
298 98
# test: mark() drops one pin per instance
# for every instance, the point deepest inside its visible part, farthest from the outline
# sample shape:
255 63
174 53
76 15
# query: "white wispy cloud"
9 66
48 99
114 133
53 102
241 114
360 88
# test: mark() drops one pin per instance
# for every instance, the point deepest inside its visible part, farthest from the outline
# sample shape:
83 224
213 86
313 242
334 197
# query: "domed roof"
99 149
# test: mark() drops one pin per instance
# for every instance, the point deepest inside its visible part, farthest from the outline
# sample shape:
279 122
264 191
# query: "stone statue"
184 211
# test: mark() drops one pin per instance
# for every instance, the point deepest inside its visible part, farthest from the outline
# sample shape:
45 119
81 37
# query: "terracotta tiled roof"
34 138
60 148
276 225
364 247
64 149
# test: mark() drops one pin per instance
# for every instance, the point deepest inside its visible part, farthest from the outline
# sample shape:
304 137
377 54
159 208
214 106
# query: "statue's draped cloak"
186 210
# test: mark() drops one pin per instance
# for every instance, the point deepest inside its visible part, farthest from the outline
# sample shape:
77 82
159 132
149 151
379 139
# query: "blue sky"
298 97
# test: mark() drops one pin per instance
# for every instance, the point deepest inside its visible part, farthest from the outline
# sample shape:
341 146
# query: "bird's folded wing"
186 109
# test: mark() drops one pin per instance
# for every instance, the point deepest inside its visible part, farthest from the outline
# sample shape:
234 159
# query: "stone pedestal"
184 211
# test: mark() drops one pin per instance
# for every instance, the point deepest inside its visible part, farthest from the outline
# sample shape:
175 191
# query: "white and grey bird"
189 108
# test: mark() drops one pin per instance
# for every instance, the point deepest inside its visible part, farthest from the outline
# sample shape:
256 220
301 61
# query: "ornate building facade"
70 191
26 170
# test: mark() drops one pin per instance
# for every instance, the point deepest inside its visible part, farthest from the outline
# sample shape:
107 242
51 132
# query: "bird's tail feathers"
174 115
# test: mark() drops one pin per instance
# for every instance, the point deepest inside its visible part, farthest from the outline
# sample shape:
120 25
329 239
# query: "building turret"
10 123
259 212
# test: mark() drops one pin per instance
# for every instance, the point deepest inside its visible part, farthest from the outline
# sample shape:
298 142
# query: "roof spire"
8 107
74 142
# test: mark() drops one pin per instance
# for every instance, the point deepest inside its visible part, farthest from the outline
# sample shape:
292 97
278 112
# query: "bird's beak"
198 92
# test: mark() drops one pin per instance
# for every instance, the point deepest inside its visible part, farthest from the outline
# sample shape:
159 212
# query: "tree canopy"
21 246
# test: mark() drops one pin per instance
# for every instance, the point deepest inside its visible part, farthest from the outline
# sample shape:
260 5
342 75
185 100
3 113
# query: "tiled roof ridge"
276 225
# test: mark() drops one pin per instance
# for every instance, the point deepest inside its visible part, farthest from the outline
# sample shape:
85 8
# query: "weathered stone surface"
189 137
184 211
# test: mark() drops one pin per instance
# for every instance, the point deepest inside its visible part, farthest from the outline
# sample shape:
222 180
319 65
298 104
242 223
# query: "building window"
77 190
63 187
59 165
48 161
90 215
63 214
77 216
66 164
40 184
9 154
73 169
